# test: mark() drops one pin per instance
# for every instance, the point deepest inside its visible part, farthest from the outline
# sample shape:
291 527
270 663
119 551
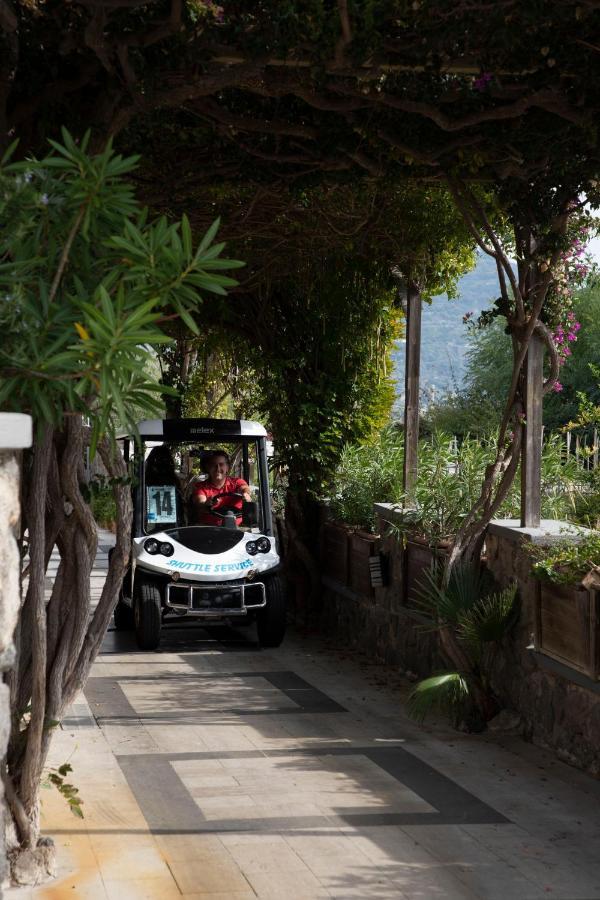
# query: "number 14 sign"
161 504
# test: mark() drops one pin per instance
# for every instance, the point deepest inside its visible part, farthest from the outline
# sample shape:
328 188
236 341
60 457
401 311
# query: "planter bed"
418 557
345 554
567 624
334 551
361 546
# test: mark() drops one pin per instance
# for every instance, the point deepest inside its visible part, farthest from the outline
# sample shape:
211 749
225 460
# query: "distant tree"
476 406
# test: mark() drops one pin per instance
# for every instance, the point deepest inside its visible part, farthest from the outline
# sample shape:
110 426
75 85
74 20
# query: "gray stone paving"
215 769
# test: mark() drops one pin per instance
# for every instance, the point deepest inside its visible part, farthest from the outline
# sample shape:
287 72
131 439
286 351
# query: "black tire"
123 616
271 620
147 618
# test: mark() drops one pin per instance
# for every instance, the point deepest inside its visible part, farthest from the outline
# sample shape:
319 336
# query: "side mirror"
250 513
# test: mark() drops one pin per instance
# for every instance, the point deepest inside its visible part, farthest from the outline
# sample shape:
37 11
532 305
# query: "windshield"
193 484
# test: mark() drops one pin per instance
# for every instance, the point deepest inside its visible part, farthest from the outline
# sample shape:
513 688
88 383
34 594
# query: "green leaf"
187 319
447 692
186 234
208 238
9 152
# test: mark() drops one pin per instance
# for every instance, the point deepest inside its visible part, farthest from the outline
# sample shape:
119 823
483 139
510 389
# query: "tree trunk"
303 562
59 636
522 300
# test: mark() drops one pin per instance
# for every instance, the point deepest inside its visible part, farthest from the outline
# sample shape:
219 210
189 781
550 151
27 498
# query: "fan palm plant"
471 618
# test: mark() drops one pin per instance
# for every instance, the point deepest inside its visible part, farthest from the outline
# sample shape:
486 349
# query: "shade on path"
215 769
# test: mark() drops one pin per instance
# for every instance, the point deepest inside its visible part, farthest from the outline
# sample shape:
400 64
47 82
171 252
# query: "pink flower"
557 386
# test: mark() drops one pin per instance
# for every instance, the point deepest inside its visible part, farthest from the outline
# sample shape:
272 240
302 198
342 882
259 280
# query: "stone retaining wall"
381 625
559 707
15 434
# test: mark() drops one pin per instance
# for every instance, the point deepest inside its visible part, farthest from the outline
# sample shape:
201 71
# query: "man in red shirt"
206 496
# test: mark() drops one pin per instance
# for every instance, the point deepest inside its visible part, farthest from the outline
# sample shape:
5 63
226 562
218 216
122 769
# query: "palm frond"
447 692
447 604
489 619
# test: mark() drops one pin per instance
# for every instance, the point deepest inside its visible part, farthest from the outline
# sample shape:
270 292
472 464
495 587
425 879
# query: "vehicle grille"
216 598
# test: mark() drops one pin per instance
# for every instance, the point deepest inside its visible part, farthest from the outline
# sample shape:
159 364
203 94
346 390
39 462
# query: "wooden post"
412 367
531 458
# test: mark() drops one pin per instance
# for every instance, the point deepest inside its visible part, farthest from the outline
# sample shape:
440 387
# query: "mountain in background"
444 335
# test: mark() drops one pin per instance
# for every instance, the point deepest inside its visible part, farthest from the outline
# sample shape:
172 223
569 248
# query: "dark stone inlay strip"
161 794
169 808
78 717
108 701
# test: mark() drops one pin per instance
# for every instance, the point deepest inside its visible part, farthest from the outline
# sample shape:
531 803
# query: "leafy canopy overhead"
504 91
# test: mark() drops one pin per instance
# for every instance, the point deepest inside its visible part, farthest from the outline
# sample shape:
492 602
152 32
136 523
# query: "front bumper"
215 601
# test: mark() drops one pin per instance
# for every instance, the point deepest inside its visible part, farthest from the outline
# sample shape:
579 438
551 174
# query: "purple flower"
482 82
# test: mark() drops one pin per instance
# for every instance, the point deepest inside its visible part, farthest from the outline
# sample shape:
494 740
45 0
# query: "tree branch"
346 35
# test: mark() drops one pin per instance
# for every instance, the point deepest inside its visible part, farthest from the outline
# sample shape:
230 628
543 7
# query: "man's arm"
244 489
202 503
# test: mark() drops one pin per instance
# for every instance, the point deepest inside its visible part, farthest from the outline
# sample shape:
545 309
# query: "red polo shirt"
230 485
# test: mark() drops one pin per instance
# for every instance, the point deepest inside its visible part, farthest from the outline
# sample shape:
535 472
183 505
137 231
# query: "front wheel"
147 615
271 620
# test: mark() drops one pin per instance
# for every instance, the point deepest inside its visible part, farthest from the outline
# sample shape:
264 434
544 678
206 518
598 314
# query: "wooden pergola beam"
412 369
531 454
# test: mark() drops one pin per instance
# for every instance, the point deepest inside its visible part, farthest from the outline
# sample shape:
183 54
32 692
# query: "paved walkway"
213 769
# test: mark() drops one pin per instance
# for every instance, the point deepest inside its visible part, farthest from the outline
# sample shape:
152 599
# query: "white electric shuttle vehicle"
228 572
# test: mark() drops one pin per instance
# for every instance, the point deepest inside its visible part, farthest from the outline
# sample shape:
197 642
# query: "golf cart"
228 571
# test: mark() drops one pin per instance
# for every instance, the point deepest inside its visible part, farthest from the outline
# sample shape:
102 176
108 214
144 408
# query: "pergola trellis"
531 453
490 93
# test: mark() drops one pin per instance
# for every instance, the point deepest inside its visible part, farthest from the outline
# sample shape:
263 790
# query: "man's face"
217 469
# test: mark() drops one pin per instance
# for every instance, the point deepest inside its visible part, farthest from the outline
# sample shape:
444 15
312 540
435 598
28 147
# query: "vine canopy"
501 90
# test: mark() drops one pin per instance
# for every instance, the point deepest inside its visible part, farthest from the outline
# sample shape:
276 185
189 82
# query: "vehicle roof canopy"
194 430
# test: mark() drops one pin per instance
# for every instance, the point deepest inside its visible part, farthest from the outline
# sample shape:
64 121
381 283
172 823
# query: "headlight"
263 544
167 549
151 546
251 548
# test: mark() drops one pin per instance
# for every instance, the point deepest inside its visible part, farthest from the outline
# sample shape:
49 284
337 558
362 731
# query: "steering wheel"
229 509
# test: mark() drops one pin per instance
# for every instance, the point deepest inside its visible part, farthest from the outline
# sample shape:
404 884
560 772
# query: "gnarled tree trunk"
522 297
59 635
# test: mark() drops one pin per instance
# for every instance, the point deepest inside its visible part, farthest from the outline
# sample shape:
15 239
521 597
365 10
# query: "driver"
208 495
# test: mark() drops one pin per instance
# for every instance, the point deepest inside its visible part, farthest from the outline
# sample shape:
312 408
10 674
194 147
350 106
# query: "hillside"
444 336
